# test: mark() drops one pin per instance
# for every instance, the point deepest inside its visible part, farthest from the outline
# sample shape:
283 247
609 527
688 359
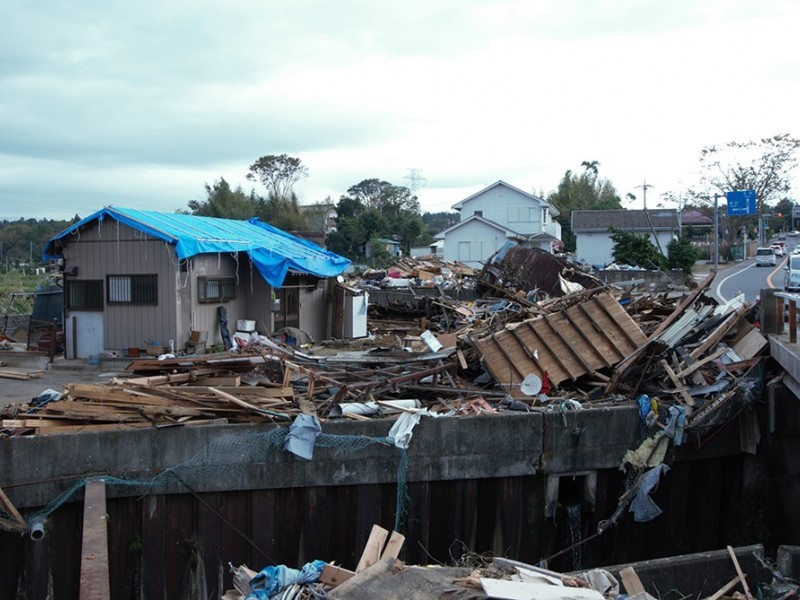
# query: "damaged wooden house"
137 279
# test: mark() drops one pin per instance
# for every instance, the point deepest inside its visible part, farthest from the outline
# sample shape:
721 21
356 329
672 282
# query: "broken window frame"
216 289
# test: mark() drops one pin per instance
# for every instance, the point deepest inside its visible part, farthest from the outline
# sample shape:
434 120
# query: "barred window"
84 294
216 289
132 289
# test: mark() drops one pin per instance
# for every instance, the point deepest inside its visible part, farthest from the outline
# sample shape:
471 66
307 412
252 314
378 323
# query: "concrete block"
788 561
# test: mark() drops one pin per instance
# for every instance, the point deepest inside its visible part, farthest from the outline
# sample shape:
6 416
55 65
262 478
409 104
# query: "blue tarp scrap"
272 251
271 580
642 505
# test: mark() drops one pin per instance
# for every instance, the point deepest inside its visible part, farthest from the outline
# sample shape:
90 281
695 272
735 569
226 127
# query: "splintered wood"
584 338
459 358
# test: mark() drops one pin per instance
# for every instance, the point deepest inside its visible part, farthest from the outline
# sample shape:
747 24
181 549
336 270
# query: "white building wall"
473 243
506 207
596 247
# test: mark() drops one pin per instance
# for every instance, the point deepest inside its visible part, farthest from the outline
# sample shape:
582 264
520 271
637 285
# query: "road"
749 279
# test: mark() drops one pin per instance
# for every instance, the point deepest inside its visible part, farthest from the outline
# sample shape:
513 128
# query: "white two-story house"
498 214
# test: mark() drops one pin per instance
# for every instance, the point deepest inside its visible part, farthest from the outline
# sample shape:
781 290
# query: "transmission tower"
415 180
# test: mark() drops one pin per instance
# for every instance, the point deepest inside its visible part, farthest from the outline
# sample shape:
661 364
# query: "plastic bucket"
94 359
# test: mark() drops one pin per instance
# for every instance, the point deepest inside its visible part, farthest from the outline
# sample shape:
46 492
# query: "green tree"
224 203
682 254
371 209
278 173
283 212
582 191
635 250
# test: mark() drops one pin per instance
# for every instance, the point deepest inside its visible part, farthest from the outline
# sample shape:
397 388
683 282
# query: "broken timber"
576 341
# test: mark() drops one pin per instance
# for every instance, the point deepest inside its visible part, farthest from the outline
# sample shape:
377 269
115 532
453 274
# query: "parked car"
765 257
791 276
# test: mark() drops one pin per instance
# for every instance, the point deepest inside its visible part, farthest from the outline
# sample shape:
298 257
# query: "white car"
765 257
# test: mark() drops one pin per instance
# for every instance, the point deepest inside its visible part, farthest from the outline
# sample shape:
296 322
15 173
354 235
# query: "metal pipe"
37 531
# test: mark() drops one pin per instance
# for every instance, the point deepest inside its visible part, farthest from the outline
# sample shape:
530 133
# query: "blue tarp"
272 251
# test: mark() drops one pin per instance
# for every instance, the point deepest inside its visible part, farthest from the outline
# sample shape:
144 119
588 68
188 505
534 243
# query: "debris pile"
517 352
380 574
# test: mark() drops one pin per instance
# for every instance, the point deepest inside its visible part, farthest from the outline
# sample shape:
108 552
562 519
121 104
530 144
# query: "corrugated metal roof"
272 251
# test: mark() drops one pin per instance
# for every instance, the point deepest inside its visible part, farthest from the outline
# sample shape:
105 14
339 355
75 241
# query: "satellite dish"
531 385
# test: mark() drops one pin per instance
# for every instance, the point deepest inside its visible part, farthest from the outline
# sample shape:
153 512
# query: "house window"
216 289
84 294
520 214
478 213
132 289
545 216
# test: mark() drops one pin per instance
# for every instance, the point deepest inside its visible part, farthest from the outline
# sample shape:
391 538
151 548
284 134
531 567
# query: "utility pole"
716 232
645 186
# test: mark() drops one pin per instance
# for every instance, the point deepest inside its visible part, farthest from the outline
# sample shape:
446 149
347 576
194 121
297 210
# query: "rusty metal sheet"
577 341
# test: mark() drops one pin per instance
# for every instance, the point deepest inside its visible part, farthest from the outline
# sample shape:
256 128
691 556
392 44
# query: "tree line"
374 209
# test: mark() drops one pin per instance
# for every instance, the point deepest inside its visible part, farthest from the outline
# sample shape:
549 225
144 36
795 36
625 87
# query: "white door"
84 334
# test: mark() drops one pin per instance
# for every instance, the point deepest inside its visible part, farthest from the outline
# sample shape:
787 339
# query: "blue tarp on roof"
272 251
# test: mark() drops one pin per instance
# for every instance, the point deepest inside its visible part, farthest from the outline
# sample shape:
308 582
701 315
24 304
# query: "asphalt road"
749 279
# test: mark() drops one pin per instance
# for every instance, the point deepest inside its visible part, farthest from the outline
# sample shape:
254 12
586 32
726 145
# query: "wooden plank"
633 585
622 368
16 522
574 348
605 333
216 381
679 387
171 377
125 426
542 354
691 369
20 375
252 407
373 548
394 545
741 575
600 300
502 348
94 547
580 322
725 589
557 355
720 332
244 390
333 575
750 345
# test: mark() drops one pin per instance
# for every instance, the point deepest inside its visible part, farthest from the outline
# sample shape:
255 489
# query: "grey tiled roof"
627 220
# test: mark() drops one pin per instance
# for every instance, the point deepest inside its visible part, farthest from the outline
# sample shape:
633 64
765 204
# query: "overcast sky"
140 104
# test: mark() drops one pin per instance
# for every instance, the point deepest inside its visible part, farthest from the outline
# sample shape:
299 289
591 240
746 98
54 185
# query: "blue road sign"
741 203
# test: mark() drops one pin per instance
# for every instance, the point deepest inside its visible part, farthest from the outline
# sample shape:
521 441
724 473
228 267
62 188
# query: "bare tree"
278 173
764 166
